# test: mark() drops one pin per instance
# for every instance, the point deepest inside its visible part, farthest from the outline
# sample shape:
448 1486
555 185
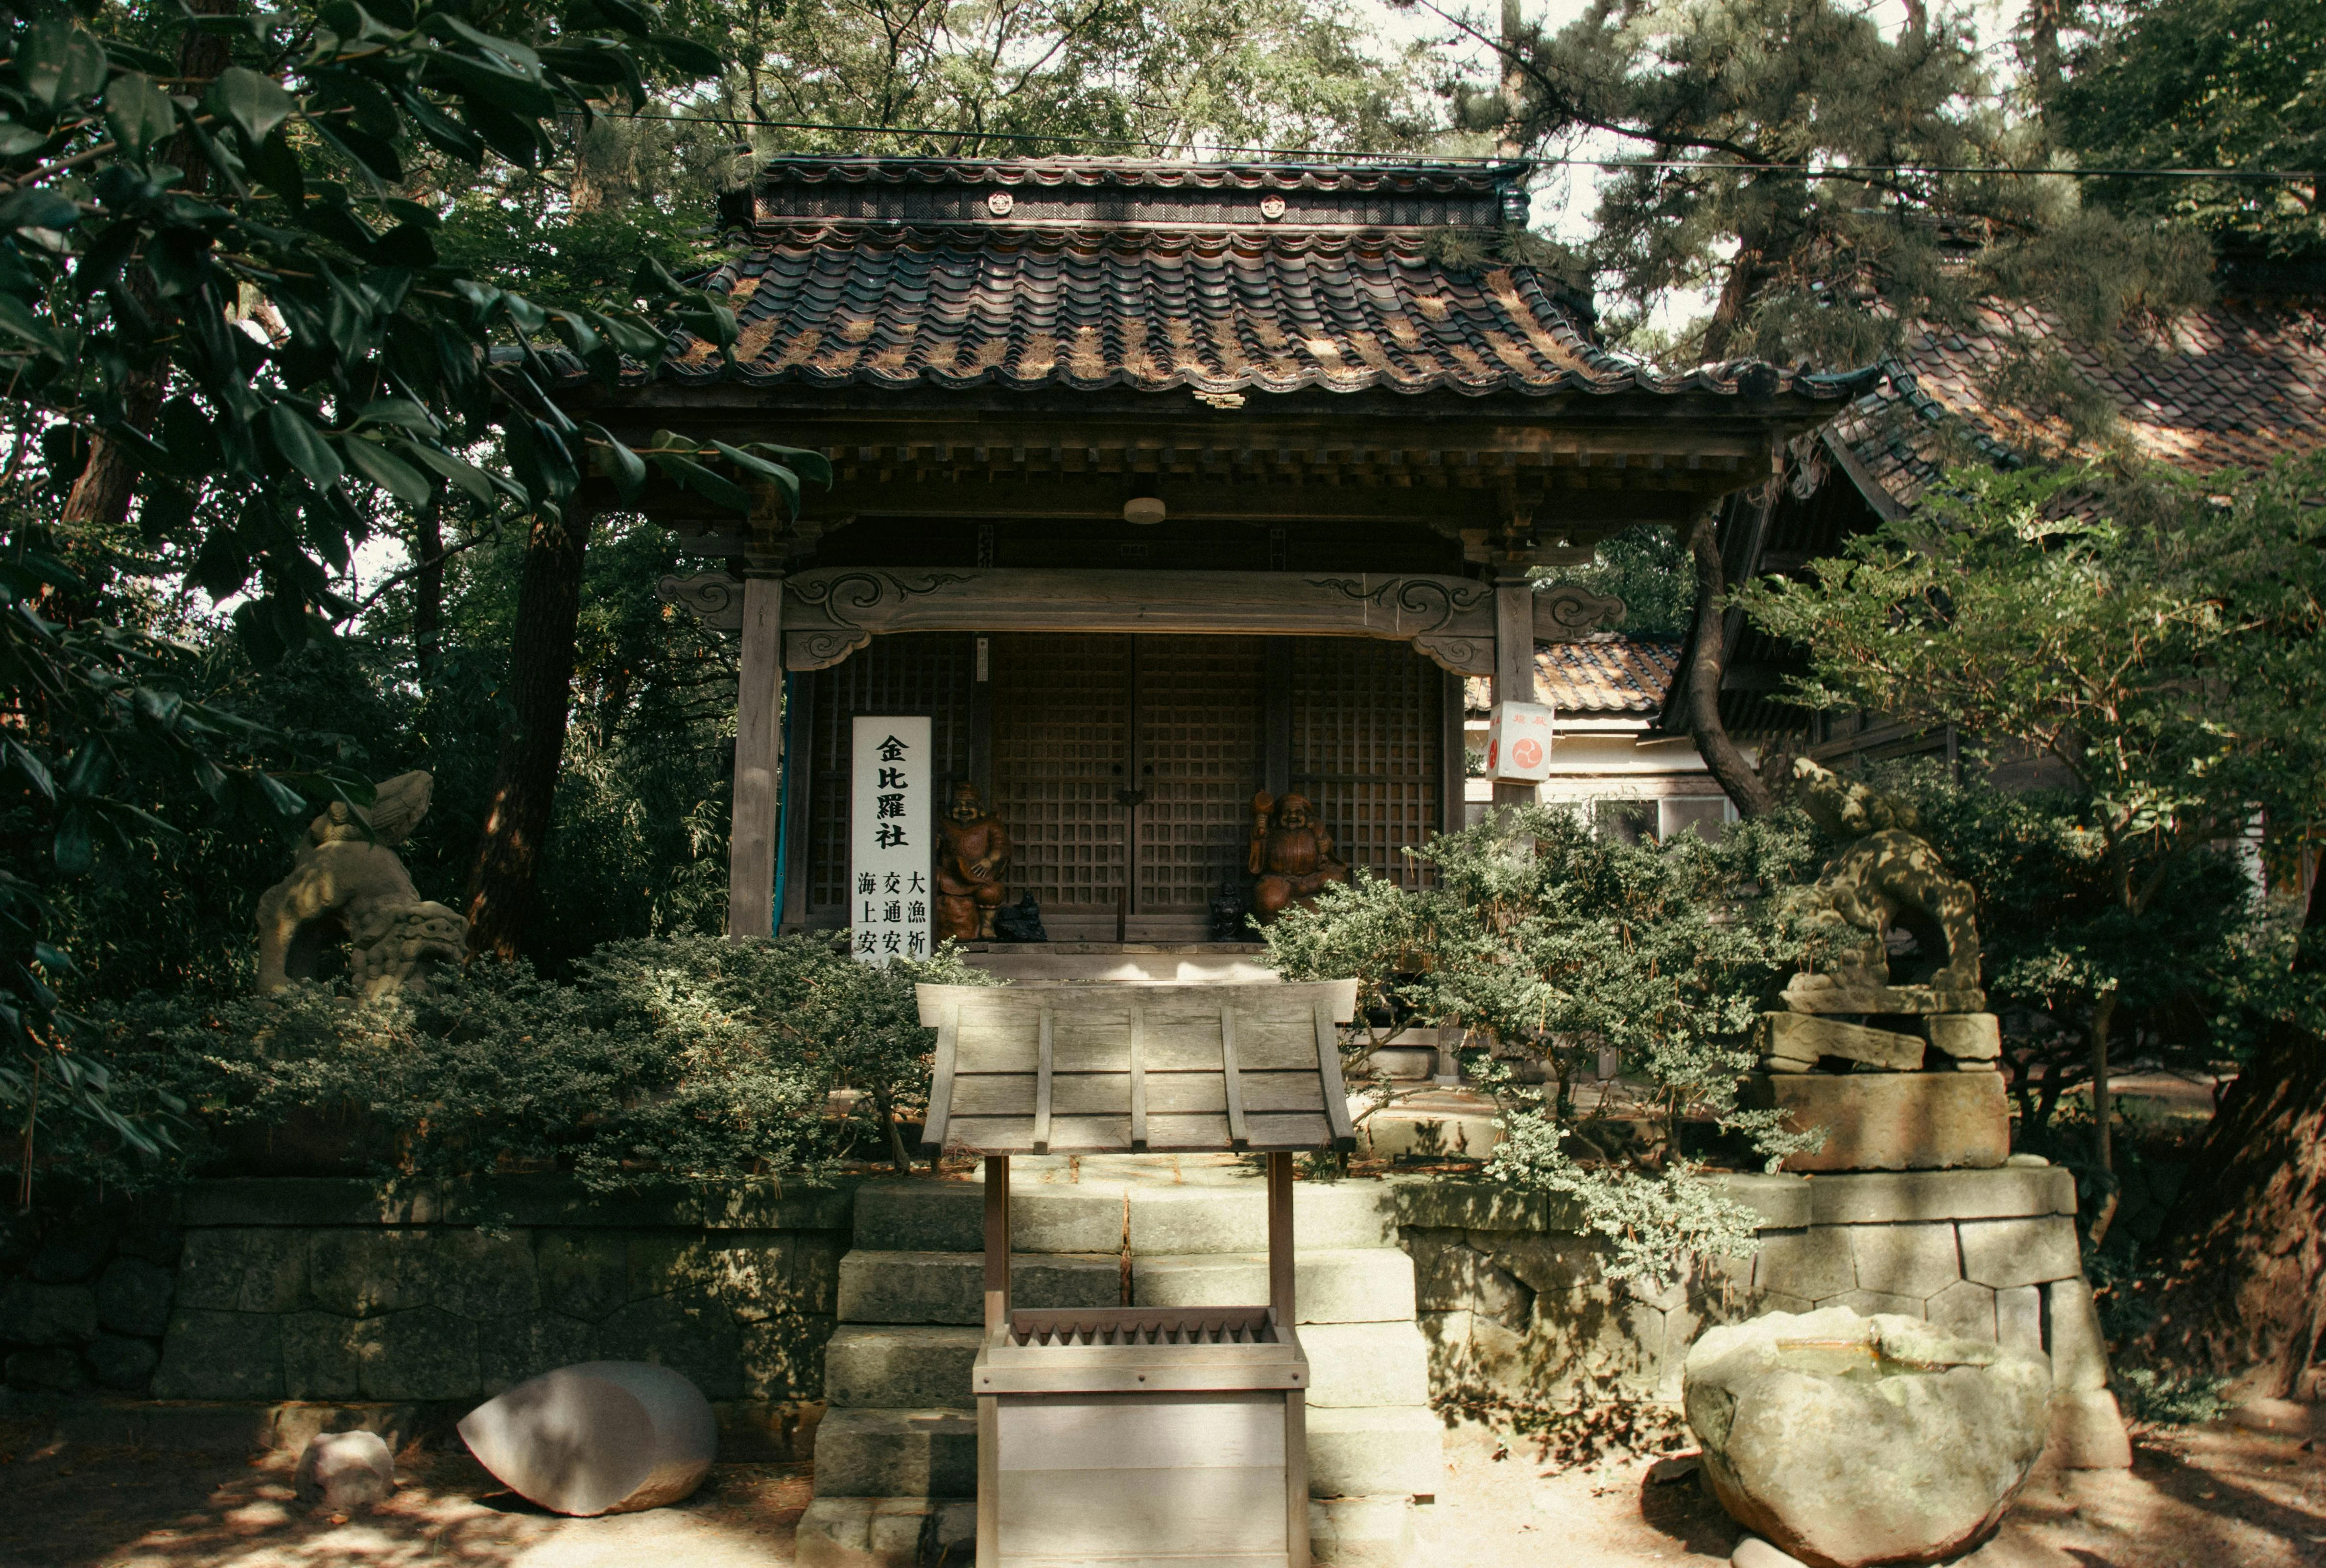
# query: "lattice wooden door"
1366 743
1201 703
1061 753
914 672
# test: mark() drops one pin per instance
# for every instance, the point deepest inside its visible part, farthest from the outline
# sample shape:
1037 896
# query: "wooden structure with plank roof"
1140 1434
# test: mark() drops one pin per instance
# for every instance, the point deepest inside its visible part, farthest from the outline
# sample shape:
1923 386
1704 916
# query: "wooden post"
997 1245
1283 1302
997 1328
1280 1294
1513 663
759 754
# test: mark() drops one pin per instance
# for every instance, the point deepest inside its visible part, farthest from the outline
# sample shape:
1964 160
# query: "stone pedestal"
1892 1121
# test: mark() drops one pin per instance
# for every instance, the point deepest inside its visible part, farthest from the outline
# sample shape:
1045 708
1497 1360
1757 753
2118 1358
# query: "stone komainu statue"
347 886
1885 871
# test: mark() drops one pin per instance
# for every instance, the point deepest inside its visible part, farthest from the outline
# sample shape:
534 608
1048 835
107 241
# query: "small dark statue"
972 859
1291 857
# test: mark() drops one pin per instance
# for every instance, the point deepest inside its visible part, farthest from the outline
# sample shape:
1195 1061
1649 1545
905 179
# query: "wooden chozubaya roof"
1222 278
1068 1068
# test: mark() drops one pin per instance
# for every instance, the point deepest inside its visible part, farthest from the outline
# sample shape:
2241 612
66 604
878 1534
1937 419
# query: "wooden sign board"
890 832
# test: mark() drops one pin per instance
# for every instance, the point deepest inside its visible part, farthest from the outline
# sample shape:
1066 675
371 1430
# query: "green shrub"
688 1059
1550 944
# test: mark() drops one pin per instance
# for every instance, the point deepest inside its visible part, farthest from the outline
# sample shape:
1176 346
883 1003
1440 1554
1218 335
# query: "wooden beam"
1044 1056
759 754
1237 1133
1455 621
1138 1074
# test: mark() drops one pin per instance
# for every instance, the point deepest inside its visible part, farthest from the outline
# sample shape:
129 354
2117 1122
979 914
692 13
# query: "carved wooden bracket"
831 613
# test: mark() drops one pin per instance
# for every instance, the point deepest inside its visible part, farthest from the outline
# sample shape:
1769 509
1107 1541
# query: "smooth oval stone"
345 1469
602 1437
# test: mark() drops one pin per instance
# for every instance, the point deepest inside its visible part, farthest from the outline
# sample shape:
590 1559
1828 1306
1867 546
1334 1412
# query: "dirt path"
2210 1497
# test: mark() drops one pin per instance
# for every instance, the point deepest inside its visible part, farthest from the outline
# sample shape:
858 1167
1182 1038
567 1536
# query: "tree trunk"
428 589
2103 1102
2245 1234
100 497
533 740
1719 753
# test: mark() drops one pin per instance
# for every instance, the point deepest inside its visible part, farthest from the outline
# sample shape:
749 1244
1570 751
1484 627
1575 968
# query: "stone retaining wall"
292 1289
1517 1313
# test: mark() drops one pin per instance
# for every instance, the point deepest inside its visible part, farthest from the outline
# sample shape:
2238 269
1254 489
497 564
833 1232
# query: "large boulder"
1849 1441
603 1437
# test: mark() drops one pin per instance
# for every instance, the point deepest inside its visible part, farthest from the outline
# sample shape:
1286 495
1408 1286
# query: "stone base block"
2088 1432
1361 1531
1893 1121
1397 1451
1965 1036
1355 1285
886 1366
896 1453
1355 1364
885 1533
1873 999
1795 1042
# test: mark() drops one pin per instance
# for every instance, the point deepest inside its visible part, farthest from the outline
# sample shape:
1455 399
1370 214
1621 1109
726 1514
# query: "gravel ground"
2212 1497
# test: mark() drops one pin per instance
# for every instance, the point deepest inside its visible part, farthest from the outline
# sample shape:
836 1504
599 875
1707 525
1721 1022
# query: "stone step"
1173 1221
886 1533
949 1287
896 1453
1378 1451
921 1216
1361 1364
1334 1285
1356 1532
894 1367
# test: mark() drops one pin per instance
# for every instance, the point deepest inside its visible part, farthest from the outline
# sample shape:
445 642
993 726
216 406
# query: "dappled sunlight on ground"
2209 1498
75 1508
2213 1496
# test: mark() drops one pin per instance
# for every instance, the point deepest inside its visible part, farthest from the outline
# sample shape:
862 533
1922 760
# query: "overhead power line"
1814 171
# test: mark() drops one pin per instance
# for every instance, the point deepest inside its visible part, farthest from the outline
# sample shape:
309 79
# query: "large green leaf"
468 476
392 474
38 207
61 61
256 103
139 113
303 446
630 470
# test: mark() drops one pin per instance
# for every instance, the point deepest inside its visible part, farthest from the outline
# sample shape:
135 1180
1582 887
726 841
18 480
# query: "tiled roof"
1605 672
1219 278
2233 385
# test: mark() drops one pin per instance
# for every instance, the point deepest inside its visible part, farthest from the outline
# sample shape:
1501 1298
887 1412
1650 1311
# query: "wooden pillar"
981 716
1513 663
800 759
758 757
1276 743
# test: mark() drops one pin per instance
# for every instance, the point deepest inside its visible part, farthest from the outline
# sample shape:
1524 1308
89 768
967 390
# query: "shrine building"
1157 484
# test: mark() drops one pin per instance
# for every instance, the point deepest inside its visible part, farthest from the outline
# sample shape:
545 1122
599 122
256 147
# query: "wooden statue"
1291 855
972 858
